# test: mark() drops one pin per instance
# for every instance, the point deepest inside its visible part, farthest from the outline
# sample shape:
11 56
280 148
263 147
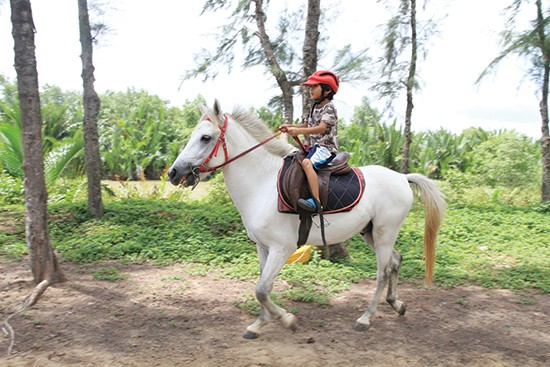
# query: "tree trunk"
44 263
410 88
309 50
543 105
91 111
274 66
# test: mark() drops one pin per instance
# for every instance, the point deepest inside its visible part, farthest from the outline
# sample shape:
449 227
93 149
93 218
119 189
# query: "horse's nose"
172 172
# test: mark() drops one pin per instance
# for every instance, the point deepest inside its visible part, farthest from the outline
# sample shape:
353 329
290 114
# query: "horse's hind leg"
382 244
395 264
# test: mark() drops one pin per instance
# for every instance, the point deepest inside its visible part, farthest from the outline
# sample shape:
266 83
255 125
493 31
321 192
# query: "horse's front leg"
276 259
265 316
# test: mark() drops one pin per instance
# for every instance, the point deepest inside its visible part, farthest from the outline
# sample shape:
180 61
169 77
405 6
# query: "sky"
152 44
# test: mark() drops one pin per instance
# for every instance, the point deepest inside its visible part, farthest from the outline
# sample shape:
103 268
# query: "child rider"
321 132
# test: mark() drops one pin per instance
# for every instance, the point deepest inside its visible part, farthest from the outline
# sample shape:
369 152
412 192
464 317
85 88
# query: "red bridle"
221 141
214 152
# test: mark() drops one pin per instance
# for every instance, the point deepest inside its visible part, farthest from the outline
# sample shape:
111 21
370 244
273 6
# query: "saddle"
340 188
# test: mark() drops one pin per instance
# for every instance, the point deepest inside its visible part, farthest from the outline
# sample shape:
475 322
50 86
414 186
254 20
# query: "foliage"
11 189
272 119
401 36
138 132
141 135
140 229
11 149
218 194
62 137
507 159
494 159
12 231
530 44
369 141
436 152
543 207
491 245
62 115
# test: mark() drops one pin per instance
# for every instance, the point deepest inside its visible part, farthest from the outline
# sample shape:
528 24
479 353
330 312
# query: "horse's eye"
206 138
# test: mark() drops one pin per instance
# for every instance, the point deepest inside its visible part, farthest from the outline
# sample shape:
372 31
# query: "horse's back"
387 190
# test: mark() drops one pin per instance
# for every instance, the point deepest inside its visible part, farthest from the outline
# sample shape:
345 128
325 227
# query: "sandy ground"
170 316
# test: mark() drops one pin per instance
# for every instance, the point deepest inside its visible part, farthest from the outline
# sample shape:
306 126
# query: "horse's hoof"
402 309
290 321
361 327
251 335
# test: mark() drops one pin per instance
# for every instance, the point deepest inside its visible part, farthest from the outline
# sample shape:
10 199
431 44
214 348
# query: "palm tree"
44 264
91 112
58 153
404 32
532 44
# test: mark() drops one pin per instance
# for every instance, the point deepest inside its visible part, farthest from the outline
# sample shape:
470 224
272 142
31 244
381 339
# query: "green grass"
491 245
147 229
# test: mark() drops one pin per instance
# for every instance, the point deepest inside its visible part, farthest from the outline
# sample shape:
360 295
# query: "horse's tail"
434 205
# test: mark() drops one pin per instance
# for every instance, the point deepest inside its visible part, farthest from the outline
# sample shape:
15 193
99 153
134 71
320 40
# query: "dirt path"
168 317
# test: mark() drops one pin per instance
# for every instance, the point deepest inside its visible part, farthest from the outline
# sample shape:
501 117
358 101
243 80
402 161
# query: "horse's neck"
251 172
252 175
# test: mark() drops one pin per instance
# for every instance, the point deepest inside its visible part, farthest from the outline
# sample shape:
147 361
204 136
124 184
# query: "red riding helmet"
324 77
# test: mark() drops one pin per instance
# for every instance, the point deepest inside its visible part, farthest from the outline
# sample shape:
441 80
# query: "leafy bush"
11 190
217 193
139 229
12 232
507 159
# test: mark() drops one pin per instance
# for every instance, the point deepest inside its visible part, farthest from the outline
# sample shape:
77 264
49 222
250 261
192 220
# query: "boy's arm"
285 126
295 130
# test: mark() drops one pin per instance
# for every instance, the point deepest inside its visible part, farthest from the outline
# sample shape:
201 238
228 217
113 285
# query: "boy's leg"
311 204
312 178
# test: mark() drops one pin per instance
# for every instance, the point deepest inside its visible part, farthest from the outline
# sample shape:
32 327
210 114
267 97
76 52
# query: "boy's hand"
292 130
284 127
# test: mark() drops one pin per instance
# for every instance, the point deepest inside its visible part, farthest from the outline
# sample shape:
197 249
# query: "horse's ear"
218 110
204 109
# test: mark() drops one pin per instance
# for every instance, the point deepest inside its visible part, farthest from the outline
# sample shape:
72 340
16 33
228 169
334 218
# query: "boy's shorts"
320 156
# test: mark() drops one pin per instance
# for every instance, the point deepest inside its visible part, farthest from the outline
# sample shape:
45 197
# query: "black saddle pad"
345 191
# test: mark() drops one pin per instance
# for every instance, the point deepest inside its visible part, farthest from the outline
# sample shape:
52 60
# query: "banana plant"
11 149
59 151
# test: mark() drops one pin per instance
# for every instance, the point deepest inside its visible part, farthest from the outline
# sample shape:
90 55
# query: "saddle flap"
339 165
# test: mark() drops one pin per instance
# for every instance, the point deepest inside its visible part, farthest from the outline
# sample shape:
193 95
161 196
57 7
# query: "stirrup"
317 224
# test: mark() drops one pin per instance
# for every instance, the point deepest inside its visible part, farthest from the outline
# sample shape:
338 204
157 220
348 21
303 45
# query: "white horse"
251 180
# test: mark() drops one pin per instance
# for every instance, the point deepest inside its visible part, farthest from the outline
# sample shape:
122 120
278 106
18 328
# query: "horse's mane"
257 128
